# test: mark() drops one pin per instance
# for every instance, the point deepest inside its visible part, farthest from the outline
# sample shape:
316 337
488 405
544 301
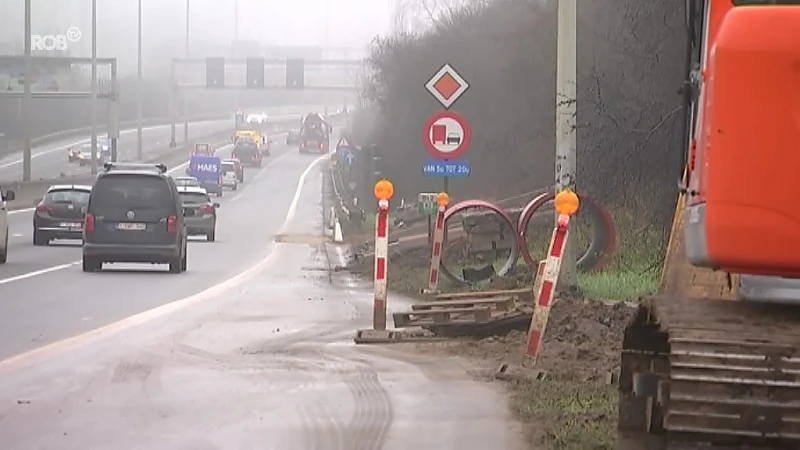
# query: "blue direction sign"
350 158
451 169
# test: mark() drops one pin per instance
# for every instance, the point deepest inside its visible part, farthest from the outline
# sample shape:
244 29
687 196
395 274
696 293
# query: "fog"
212 26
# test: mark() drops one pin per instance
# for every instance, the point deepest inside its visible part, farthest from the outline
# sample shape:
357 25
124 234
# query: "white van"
6 196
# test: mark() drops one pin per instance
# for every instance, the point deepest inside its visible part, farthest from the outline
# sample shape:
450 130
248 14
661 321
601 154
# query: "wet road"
50 160
249 349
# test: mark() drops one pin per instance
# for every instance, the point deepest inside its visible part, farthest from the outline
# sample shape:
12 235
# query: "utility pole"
139 87
94 87
237 99
26 101
185 97
566 145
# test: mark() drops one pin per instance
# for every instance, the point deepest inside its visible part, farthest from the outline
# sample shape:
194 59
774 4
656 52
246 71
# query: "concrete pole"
139 87
185 97
94 87
26 100
566 146
237 98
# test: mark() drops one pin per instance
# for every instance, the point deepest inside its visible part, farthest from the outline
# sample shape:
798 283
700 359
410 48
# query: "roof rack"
109 166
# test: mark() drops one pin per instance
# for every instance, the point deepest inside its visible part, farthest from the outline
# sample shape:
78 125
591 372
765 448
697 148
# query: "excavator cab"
745 127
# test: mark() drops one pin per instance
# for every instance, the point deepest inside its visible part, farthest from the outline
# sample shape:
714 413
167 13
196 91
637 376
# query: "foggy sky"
351 23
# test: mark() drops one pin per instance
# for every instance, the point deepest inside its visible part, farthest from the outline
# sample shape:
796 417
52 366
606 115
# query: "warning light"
443 199
384 190
567 202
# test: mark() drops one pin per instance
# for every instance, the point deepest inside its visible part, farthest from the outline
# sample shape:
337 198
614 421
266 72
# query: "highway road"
50 160
249 349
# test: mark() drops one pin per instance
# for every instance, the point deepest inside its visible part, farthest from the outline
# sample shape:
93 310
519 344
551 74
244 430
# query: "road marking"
37 272
33 356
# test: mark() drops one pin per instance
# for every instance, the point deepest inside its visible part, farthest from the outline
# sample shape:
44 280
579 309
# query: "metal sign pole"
113 109
94 87
26 100
139 88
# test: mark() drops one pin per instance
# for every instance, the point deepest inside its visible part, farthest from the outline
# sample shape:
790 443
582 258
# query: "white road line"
33 356
37 272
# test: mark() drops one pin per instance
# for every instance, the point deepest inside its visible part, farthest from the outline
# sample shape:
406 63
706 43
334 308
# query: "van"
134 215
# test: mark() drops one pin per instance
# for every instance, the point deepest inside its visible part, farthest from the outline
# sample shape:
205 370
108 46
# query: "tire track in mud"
372 421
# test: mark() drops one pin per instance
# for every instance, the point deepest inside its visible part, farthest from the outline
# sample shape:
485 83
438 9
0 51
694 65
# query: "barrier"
383 192
566 203
438 241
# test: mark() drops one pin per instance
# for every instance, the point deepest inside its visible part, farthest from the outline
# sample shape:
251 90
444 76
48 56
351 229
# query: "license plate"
131 226
71 225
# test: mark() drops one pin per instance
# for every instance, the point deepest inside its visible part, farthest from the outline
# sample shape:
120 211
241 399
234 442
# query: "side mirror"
10 196
37 201
216 205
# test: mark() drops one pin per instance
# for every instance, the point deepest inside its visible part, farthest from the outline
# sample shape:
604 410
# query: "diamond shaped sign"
447 86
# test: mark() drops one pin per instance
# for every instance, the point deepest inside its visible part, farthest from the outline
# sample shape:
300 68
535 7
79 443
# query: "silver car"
199 212
187 182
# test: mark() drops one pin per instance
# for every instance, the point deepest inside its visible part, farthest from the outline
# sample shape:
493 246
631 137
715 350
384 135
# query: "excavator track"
701 369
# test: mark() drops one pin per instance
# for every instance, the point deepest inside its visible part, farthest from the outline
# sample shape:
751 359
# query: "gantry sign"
256 69
55 77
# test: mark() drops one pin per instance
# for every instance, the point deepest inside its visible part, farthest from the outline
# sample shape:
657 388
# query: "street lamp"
94 86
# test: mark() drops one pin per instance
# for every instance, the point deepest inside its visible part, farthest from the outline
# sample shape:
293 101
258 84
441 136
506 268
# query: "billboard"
47 75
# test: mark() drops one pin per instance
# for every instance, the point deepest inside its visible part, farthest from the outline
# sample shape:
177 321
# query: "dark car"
59 215
200 212
293 137
135 215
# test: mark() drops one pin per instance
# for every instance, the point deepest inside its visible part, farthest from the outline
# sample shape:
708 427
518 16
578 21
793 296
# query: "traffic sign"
343 143
446 135
450 169
426 204
349 157
447 86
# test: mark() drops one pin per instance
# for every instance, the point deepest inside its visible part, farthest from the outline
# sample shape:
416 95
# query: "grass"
567 415
618 284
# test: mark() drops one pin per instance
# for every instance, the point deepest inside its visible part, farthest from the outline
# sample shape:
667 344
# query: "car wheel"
211 236
219 194
4 250
176 266
91 264
235 187
39 239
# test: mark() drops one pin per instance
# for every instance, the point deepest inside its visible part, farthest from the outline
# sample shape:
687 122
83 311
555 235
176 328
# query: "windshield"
131 191
227 167
194 198
67 196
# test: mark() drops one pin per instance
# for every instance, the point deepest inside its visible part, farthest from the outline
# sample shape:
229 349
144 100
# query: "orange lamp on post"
567 204
384 190
443 199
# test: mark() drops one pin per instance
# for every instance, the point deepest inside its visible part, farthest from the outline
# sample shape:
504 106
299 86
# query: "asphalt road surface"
50 160
249 349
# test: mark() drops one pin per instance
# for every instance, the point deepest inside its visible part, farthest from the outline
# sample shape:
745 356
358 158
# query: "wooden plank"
484 294
442 317
432 312
463 303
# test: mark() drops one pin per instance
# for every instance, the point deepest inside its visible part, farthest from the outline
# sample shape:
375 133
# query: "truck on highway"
203 148
315 134
711 361
83 154
208 171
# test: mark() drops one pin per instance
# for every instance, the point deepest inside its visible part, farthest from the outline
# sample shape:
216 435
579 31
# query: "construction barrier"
566 204
383 192
438 240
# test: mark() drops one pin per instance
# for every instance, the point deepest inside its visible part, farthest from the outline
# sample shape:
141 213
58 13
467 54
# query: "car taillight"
88 223
207 209
172 224
320 146
220 179
43 209
302 145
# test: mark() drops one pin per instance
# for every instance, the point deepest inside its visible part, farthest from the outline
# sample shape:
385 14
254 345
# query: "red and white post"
383 191
566 204
438 241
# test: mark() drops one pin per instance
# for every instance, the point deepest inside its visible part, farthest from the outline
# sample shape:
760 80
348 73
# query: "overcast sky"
350 23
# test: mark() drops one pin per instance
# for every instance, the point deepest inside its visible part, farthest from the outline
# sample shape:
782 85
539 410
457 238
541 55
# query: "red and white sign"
446 135
447 86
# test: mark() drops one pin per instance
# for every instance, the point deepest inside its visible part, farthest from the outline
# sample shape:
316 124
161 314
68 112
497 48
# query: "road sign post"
383 190
566 205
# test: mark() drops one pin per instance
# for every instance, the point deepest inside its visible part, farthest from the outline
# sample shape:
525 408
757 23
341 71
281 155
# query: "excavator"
713 359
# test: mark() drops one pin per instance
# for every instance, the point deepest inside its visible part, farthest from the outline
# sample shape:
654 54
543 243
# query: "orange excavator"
713 360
